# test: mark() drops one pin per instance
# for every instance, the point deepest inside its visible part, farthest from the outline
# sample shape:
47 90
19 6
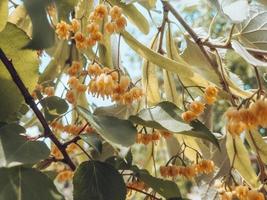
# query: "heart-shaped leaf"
95 180
20 183
115 130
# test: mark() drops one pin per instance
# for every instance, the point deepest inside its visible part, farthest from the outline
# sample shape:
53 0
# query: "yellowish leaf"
239 156
150 79
257 143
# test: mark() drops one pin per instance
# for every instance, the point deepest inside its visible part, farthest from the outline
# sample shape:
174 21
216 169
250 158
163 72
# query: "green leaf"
194 57
239 156
59 55
3 13
166 116
42 32
64 8
21 18
117 110
12 39
201 131
93 140
133 14
53 107
112 129
257 143
163 116
149 78
95 180
16 149
252 33
118 163
166 188
20 183
242 51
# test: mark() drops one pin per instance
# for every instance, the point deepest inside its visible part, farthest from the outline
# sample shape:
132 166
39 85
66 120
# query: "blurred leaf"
20 183
64 8
148 4
193 56
12 39
242 51
111 128
166 188
117 110
105 49
257 143
94 180
230 8
53 107
16 149
42 32
92 140
60 54
3 13
239 156
168 77
149 78
252 33
133 14
21 18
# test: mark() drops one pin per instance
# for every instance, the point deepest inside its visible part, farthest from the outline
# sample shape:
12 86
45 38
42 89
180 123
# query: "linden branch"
29 100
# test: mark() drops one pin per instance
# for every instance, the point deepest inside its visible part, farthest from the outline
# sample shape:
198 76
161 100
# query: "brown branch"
29 100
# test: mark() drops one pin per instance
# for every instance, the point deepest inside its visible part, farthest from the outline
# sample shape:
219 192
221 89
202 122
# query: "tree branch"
198 41
29 100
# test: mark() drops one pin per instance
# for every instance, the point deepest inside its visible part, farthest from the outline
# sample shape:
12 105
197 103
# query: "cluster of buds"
71 129
56 153
137 184
64 30
238 120
48 91
147 138
94 34
64 176
242 193
196 108
75 68
165 134
106 82
191 171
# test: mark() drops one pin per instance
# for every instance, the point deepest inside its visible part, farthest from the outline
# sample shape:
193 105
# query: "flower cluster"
204 166
147 138
242 193
48 91
238 120
196 108
71 129
94 34
165 134
64 176
137 184
106 82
